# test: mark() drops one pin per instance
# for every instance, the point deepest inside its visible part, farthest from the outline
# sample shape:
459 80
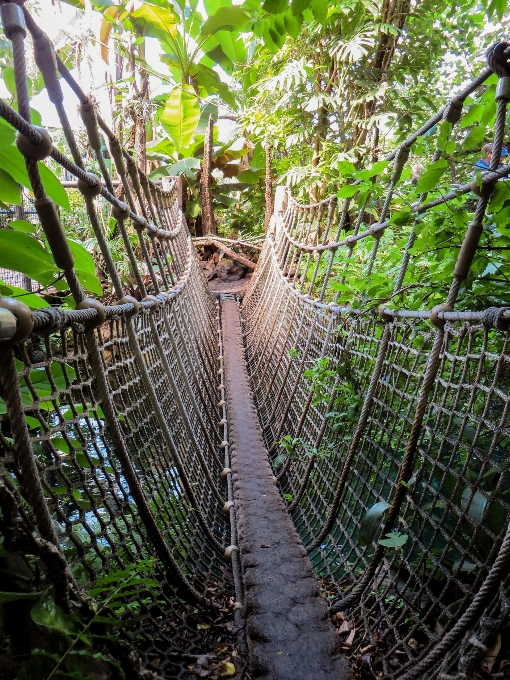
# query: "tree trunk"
269 186
208 223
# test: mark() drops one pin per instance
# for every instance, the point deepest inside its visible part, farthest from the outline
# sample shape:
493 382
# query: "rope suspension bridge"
193 457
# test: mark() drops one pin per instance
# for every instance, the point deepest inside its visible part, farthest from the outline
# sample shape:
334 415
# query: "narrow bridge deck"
289 633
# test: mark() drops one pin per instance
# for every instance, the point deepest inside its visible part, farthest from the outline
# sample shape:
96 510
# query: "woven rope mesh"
383 426
395 429
121 415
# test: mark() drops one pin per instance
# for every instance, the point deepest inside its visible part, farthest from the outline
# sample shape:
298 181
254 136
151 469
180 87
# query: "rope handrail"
412 403
127 452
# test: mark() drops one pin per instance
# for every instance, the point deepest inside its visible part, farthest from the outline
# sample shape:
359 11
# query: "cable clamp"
46 60
16 321
13 20
37 152
89 118
90 303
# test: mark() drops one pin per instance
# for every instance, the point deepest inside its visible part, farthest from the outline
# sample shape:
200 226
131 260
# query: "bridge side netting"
389 426
111 444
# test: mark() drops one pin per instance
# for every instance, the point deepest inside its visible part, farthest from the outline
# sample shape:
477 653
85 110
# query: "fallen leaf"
413 643
220 648
203 626
338 617
230 669
492 654
367 649
345 627
350 639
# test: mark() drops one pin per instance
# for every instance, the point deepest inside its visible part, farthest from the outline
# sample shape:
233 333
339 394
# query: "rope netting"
388 426
113 434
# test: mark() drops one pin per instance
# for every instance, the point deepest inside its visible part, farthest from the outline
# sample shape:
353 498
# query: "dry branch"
228 252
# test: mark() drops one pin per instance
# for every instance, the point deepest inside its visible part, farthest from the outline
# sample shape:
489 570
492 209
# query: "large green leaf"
7 134
210 81
233 46
225 18
319 10
371 523
23 253
47 613
13 597
13 162
53 187
30 299
184 165
154 21
208 110
9 189
82 258
430 178
212 6
181 115
23 225
474 138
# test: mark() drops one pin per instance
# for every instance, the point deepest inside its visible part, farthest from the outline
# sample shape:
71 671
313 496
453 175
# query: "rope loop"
498 59
56 319
493 317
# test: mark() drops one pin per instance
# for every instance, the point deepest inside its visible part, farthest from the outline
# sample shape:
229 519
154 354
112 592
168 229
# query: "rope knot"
56 319
498 58
493 317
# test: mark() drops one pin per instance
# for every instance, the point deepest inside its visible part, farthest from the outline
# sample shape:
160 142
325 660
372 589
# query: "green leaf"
13 162
225 18
299 6
401 216
185 165
53 187
347 191
319 10
181 115
30 299
83 260
393 540
371 523
9 79
346 168
444 134
61 444
47 613
274 6
9 189
475 137
13 597
23 253
430 178
292 23
248 177
472 115
208 110
89 281
7 134
23 225
210 81
153 21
